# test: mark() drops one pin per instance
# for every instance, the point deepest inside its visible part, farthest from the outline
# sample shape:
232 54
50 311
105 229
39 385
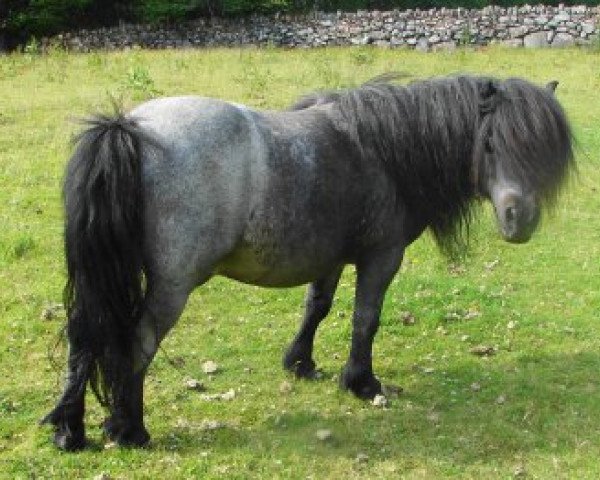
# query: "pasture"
530 409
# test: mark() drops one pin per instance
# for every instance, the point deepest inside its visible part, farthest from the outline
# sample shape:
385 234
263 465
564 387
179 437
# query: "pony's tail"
103 243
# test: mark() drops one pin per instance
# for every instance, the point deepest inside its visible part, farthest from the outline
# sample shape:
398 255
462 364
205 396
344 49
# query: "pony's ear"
489 88
552 85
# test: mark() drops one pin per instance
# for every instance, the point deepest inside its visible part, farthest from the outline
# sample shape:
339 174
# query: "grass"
531 410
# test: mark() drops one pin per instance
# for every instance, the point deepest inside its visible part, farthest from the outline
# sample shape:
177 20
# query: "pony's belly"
249 267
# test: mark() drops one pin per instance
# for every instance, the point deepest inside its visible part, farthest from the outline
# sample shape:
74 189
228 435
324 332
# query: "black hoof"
70 441
69 438
362 384
297 360
301 367
125 434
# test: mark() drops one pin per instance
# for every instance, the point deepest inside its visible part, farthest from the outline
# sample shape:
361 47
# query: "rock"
483 350
210 367
228 395
501 400
380 401
562 17
475 387
103 476
285 387
562 40
324 434
444 46
392 391
193 384
516 32
408 318
588 28
520 471
211 425
52 312
361 458
433 417
422 45
535 40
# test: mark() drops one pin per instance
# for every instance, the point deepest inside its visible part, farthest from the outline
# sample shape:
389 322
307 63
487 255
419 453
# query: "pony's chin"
515 237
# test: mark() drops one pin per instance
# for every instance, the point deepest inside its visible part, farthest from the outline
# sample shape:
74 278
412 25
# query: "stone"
422 45
361 458
483 350
210 367
380 401
285 387
562 17
517 32
431 29
193 384
588 28
535 40
324 434
562 40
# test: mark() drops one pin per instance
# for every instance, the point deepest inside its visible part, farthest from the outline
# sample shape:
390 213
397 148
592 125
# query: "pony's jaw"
518 215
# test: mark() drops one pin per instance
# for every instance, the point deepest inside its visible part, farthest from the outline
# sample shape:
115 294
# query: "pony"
160 199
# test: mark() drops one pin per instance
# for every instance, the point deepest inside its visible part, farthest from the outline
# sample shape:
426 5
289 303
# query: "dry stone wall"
527 26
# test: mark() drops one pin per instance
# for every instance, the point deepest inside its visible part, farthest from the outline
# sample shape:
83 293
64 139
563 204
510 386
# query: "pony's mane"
431 136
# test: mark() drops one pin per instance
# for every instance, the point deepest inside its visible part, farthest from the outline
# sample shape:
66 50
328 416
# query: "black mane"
431 137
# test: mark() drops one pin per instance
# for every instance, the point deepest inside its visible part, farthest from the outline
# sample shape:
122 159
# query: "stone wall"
528 26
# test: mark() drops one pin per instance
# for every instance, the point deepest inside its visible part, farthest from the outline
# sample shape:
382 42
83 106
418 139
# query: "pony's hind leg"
298 357
374 274
67 416
163 306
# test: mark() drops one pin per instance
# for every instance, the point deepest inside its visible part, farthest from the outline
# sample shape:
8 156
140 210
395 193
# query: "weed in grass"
329 76
255 80
18 248
363 56
33 48
96 60
140 84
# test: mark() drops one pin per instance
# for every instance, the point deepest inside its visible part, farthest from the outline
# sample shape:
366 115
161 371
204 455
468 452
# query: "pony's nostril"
511 213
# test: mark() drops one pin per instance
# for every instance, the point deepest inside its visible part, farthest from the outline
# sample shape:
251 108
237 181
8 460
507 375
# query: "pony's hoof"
296 361
302 368
364 386
66 437
70 441
126 435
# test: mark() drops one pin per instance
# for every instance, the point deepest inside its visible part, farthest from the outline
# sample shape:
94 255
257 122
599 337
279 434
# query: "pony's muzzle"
518 217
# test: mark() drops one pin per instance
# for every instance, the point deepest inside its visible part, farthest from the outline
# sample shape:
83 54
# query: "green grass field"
531 410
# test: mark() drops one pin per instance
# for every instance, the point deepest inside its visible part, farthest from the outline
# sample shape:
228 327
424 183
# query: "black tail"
103 242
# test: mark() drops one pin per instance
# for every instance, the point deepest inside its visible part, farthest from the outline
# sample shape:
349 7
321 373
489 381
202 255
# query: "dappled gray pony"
180 189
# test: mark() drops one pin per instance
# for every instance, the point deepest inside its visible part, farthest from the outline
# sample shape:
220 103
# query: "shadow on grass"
537 403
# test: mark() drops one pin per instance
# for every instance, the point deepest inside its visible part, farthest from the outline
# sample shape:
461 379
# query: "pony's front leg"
298 357
67 416
125 425
374 274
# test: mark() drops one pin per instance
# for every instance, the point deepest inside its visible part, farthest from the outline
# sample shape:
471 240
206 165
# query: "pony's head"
523 153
